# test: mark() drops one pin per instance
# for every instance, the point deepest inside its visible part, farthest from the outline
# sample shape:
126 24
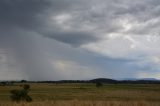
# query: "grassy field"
86 95
82 103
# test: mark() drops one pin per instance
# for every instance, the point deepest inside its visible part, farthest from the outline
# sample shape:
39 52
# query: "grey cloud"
25 25
73 38
21 13
101 14
32 15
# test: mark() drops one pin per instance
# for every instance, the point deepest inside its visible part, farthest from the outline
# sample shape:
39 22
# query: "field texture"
86 95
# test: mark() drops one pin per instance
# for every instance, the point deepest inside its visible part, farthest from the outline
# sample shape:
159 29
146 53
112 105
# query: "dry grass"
82 103
118 92
86 95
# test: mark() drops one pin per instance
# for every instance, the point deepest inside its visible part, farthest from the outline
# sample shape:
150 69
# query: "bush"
21 95
99 84
23 81
26 87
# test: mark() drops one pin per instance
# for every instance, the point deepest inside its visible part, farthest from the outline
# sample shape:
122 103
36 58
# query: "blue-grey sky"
79 39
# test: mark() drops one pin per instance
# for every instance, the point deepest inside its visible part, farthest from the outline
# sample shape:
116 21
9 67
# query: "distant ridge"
136 79
103 80
151 79
127 81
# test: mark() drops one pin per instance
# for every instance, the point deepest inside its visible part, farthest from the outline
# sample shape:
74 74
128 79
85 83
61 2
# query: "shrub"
23 81
99 84
26 87
21 95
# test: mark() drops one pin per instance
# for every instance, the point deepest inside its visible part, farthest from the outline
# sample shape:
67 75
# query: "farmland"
87 94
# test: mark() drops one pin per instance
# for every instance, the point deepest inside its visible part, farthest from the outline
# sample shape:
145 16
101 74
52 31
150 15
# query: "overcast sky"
79 39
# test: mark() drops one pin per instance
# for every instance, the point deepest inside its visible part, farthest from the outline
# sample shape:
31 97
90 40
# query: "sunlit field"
86 95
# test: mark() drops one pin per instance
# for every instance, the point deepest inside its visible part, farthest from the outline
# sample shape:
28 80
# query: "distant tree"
3 83
23 81
99 84
12 82
21 95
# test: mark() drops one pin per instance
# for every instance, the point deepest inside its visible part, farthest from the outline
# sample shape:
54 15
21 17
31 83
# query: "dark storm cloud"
27 13
73 38
102 15
104 26
32 15
21 13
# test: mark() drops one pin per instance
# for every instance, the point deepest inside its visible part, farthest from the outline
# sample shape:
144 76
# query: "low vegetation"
21 95
99 84
84 94
83 103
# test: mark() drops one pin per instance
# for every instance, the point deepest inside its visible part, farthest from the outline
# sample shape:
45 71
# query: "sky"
79 39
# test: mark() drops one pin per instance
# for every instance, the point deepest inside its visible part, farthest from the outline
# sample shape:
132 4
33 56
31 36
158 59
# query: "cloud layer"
79 39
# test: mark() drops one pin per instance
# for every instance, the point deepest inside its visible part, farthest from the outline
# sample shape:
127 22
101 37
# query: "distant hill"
150 79
127 81
130 79
137 79
103 80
